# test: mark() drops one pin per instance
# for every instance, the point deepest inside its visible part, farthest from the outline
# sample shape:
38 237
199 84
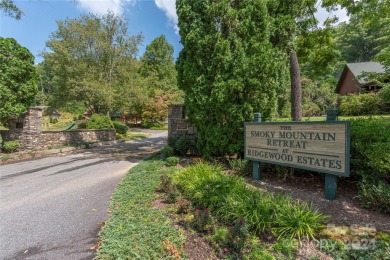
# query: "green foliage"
375 195
1 142
167 151
229 198
172 161
203 221
239 234
182 144
370 161
221 236
384 94
183 206
18 79
240 167
10 9
92 59
286 246
11 146
120 128
297 220
136 229
82 125
99 122
370 155
227 69
363 104
53 120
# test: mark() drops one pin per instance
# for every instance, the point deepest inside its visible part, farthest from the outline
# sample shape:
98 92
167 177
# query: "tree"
90 60
227 69
18 79
159 74
10 9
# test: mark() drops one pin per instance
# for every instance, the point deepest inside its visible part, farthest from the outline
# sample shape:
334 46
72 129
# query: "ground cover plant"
230 198
136 229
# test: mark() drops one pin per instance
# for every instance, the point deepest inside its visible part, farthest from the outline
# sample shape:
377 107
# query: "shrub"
221 236
99 122
82 126
370 156
239 234
297 220
183 206
240 167
167 151
172 161
375 195
384 94
230 198
11 146
202 221
182 144
363 104
1 143
120 128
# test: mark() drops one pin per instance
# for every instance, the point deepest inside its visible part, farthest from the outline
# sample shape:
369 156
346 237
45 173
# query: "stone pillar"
175 114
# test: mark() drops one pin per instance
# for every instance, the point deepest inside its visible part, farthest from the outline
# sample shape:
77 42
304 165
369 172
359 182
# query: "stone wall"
177 124
27 129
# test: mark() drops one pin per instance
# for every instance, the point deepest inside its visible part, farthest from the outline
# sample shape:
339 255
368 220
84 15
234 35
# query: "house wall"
349 84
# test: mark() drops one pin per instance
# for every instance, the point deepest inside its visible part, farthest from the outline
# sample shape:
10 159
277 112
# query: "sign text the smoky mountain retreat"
316 146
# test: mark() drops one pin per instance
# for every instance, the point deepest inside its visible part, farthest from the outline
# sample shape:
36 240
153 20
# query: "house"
352 79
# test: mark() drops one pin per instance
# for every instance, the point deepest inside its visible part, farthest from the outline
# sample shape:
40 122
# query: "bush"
240 167
11 146
363 104
1 143
167 151
99 122
375 195
82 126
172 161
370 161
384 94
370 156
182 144
229 198
120 128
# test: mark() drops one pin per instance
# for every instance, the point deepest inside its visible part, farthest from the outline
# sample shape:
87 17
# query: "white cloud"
102 6
322 15
169 8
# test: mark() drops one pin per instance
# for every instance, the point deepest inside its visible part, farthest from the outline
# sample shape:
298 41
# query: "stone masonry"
27 129
177 124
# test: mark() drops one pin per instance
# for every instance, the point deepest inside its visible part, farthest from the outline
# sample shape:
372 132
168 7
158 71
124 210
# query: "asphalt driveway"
53 208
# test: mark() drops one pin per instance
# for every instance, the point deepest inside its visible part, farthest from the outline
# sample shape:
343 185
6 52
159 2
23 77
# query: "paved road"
53 208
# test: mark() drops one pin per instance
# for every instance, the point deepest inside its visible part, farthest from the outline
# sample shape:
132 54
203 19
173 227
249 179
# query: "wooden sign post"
316 146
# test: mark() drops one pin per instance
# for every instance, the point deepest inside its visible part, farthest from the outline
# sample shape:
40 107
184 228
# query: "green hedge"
120 128
363 104
99 122
370 161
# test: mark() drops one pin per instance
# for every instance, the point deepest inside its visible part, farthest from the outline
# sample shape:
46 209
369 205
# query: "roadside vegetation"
188 204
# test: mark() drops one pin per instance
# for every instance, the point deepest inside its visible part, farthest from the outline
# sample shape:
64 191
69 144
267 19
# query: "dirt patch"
309 250
344 210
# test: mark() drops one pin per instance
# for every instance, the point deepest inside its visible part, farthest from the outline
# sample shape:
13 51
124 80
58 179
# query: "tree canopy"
18 79
227 68
10 9
91 59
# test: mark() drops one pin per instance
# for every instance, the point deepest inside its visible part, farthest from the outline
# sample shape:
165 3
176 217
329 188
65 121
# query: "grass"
132 135
136 229
341 118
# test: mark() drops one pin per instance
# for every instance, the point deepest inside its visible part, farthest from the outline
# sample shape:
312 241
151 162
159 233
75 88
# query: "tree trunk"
296 88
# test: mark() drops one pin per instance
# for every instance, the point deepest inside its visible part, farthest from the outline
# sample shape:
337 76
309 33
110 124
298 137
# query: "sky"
149 17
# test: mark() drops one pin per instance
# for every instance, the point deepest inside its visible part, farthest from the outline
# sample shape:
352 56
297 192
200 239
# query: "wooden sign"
316 146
